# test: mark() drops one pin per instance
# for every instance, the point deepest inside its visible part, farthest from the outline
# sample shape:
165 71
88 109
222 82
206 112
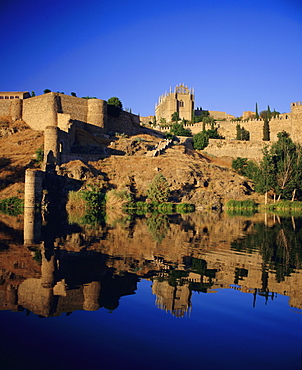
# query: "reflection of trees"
279 246
158 226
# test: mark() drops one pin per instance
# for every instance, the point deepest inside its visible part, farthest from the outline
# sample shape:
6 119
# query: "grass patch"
284 208
241 207
166 208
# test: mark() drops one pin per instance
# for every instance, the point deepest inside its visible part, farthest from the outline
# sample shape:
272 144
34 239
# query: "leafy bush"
114 106
158 190
39 155
179 130
200 140
168 136
244 167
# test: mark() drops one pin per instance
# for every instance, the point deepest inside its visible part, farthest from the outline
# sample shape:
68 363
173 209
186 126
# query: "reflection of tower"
33 188
37 294
32 226
176 300
47 269
91 293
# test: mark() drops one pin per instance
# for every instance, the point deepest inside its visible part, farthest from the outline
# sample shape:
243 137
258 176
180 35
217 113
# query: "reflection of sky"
235 53
223 331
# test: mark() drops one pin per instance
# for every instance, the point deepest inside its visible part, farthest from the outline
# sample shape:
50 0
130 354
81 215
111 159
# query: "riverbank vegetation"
279 173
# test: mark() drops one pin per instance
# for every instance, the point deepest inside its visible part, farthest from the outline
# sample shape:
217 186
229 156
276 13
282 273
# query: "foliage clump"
242 133
114 106
158 189
280 170
201 140
179 130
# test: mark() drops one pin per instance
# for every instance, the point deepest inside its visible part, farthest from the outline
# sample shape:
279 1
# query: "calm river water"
196 291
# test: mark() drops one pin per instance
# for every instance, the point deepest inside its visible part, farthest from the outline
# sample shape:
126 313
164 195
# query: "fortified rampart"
236 148
289 122
59 116
54 109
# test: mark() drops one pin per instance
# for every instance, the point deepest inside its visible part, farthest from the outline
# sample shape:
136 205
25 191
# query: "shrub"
200 140
179 130
114 106
158 190
39 155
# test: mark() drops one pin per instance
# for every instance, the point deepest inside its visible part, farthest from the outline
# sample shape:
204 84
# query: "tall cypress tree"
257 114
269 113
266 131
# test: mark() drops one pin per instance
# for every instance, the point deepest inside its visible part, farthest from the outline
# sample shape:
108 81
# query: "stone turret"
51 146
97 113
16 109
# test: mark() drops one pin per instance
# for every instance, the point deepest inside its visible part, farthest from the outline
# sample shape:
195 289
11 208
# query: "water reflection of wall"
88 268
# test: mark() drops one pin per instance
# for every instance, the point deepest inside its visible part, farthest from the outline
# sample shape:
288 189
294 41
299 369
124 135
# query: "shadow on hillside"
17 175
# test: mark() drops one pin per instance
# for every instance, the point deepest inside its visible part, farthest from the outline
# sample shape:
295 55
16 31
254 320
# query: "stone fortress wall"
59 116
252 149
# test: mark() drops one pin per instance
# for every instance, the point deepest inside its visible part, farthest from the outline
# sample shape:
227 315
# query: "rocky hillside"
192 176
18 146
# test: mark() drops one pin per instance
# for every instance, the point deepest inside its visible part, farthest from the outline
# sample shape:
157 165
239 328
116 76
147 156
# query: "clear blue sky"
233 52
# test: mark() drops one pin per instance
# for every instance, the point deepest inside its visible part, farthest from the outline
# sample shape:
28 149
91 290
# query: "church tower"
180 101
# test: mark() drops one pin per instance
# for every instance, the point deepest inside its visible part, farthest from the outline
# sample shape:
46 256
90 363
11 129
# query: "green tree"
245 167
269 113
201 140
179 130
73 94
242 133
175 117
210 121
199 115
264 177
114 106
238 132
46 91
266 130
33 94
158 190
287 160
257 114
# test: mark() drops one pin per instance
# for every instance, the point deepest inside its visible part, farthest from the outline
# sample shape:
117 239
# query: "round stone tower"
97 113
16 109
51 146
